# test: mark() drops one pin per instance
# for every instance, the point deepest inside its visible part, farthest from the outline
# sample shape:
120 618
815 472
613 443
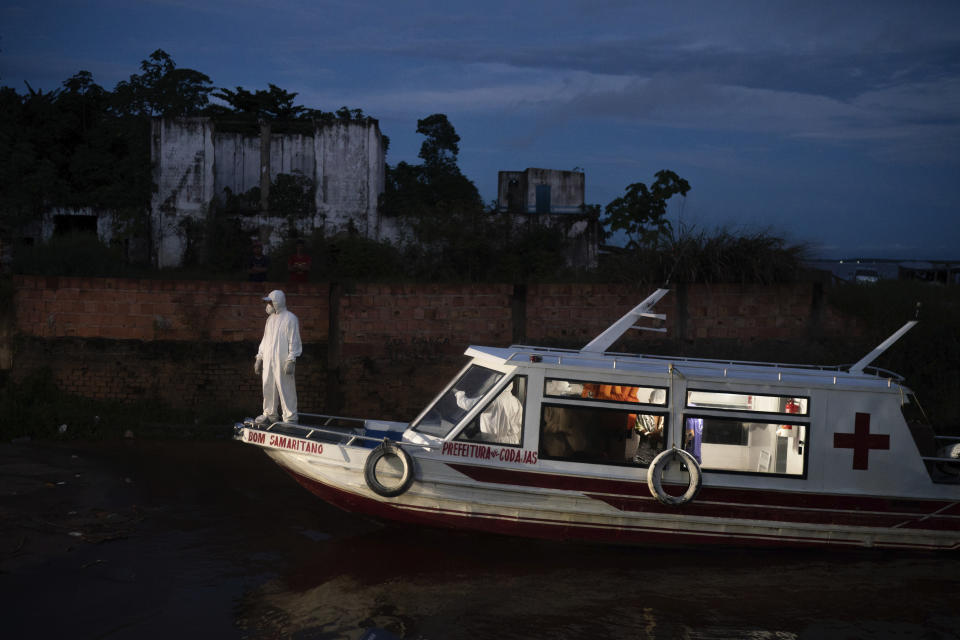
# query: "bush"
698 257
341 258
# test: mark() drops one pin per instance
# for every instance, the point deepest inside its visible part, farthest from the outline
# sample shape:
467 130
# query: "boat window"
501 421
556 388
911 409
457 401
748 402
729 444
600 435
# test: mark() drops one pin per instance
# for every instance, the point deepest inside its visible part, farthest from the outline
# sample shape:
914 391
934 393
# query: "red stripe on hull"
548 529
742 504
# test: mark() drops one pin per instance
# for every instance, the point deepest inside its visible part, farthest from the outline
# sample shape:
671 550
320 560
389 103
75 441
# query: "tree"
435 188
28 175
84 146
163 89
641 212
439 151
273 104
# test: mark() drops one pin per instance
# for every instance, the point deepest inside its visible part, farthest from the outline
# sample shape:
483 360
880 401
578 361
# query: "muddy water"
210 539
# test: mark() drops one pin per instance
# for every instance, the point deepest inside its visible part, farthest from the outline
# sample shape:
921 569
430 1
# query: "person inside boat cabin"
500 422
643 430
649 429
693 437
601 434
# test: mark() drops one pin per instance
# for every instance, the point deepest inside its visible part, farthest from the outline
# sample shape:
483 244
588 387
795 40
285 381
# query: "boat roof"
768 373
595 357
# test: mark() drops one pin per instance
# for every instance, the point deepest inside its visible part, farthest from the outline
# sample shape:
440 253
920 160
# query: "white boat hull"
507 500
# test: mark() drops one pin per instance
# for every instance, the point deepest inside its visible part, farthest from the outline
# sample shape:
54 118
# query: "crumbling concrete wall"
353 149
238 162
194 163
182 152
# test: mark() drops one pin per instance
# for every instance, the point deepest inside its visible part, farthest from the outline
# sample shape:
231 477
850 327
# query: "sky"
830 124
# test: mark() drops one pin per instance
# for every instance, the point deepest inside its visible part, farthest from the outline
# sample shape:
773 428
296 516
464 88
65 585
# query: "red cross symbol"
861 441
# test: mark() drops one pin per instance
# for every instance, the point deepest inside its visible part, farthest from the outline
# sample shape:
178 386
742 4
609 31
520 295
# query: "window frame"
623 409
767 419
666 392
702 407
415 425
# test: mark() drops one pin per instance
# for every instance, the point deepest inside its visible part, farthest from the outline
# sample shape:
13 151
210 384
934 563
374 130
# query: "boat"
593 445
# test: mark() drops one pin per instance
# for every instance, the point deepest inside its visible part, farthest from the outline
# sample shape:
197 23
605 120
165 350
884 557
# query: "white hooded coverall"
280 344
500 422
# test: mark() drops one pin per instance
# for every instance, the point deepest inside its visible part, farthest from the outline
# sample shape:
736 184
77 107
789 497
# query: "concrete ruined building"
339 164
554 198
204 168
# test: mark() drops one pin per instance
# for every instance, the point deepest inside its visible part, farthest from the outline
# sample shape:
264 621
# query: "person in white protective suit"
276 358
500 422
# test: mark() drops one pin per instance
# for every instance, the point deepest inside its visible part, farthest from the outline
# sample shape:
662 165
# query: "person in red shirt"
299 264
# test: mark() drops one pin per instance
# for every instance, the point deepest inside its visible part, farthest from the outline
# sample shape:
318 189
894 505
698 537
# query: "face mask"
269 308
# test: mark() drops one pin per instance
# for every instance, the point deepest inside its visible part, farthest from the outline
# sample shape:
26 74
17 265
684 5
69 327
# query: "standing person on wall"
299 264
258 264
276 358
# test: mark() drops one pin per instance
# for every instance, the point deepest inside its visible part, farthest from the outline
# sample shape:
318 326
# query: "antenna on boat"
612 333
886 344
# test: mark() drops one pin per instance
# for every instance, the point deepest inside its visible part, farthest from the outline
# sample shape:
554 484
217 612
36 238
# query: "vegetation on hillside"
85 146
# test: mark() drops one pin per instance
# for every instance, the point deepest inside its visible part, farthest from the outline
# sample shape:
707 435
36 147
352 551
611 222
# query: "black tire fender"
385 449
655 477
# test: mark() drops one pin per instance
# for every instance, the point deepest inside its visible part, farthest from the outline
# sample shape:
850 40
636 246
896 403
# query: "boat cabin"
746 424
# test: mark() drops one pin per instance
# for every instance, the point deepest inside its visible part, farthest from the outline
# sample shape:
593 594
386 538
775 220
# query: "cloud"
475 88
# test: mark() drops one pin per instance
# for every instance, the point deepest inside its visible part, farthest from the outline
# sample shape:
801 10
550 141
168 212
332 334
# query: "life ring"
403 481
655 477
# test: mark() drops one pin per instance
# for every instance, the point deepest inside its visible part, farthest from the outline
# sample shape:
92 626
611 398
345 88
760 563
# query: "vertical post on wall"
518 313
334 403
681 316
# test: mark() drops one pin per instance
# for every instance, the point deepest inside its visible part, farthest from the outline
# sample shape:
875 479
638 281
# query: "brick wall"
381 350
576 313
165 310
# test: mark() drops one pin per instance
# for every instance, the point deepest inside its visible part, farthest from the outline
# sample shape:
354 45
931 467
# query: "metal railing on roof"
628 361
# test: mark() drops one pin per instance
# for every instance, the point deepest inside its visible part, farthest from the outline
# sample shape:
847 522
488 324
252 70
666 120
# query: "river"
167 539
